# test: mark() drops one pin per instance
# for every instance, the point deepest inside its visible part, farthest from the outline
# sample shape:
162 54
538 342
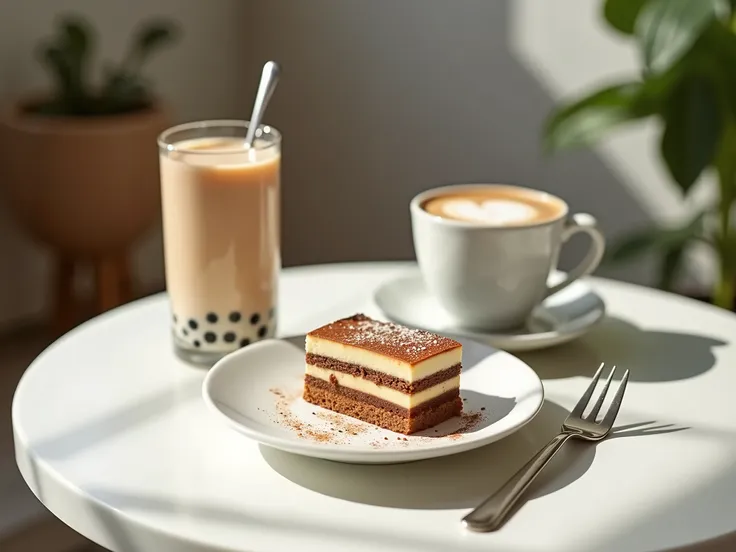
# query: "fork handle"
492 512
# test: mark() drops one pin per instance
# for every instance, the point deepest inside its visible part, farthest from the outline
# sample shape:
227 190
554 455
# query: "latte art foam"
496 206
491 211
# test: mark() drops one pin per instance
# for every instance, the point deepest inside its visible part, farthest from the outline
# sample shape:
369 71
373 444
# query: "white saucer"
257 391
562 317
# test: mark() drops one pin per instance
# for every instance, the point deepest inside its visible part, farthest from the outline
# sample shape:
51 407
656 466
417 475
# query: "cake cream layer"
381 363
381 378
404 400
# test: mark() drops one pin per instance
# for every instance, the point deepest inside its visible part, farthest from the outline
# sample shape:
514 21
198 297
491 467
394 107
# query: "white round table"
113 437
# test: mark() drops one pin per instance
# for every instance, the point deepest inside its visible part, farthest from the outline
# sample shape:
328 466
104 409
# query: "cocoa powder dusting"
387 338
343 423
305 430
341 427
465 423
283 407
468 421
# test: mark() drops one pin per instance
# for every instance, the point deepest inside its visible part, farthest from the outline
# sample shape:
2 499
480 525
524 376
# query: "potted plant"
688 83
80 162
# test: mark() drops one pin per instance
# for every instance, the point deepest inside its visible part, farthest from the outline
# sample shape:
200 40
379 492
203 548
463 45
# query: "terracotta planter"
82 185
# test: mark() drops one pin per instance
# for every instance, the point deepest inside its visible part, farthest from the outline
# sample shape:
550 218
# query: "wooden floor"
25 525
47 535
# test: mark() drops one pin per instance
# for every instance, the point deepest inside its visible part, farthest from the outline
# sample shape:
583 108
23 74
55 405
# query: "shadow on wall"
438 98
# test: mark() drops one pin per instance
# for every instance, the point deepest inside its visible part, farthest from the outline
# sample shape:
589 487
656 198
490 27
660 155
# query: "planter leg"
108 284
126 279
65 311
114 286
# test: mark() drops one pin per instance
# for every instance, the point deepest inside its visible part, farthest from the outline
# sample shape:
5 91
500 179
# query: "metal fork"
491 514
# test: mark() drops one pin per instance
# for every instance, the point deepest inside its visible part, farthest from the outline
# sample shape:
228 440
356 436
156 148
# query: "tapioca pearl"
255 318
234 317
193 324
185 331
262 331
229 337
210 337
212 318
196 343
245 341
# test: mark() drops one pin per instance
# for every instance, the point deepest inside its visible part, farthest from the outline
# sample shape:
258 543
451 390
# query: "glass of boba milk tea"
220 203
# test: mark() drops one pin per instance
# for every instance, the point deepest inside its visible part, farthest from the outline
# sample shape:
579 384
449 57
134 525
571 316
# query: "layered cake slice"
398 378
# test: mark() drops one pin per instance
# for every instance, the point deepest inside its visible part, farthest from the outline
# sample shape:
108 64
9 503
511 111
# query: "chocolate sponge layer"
382 413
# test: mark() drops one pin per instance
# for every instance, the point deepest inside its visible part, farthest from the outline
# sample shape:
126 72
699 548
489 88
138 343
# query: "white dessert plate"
562 317
257 391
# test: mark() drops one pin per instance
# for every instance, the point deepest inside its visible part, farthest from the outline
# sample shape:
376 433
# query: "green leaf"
583 121
693 125
716 55
655 239
67 57
668 243
667 29
622 14
56 61
587 119
63 75
150 38
122 92
633 246
669 268
726 248
76 37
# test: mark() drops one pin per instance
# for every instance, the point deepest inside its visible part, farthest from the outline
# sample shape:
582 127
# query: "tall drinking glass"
221 226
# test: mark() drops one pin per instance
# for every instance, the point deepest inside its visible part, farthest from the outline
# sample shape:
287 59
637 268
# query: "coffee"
486 251
221 238
496 206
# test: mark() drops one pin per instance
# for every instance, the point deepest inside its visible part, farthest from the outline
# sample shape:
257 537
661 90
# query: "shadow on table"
457 481
724 543
651 356
640 533
644 429
693 516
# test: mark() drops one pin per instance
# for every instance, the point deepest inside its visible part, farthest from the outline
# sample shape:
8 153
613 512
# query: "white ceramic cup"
490 276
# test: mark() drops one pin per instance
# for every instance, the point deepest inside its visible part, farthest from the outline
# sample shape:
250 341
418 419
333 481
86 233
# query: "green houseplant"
80 159
688 83
123 89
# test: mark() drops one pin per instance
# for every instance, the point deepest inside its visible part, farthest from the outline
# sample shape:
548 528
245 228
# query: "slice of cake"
382 373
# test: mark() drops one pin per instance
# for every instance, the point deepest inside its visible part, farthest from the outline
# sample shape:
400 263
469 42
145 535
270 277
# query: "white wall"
379 100
201 77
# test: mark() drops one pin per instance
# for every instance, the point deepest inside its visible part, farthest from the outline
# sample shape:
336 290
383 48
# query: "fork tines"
612 411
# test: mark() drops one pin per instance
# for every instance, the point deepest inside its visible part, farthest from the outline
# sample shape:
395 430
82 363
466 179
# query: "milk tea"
221 242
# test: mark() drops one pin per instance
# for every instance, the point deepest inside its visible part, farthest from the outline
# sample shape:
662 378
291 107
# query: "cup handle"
582 222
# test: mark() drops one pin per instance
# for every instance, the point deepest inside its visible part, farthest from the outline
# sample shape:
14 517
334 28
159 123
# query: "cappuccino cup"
486 251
